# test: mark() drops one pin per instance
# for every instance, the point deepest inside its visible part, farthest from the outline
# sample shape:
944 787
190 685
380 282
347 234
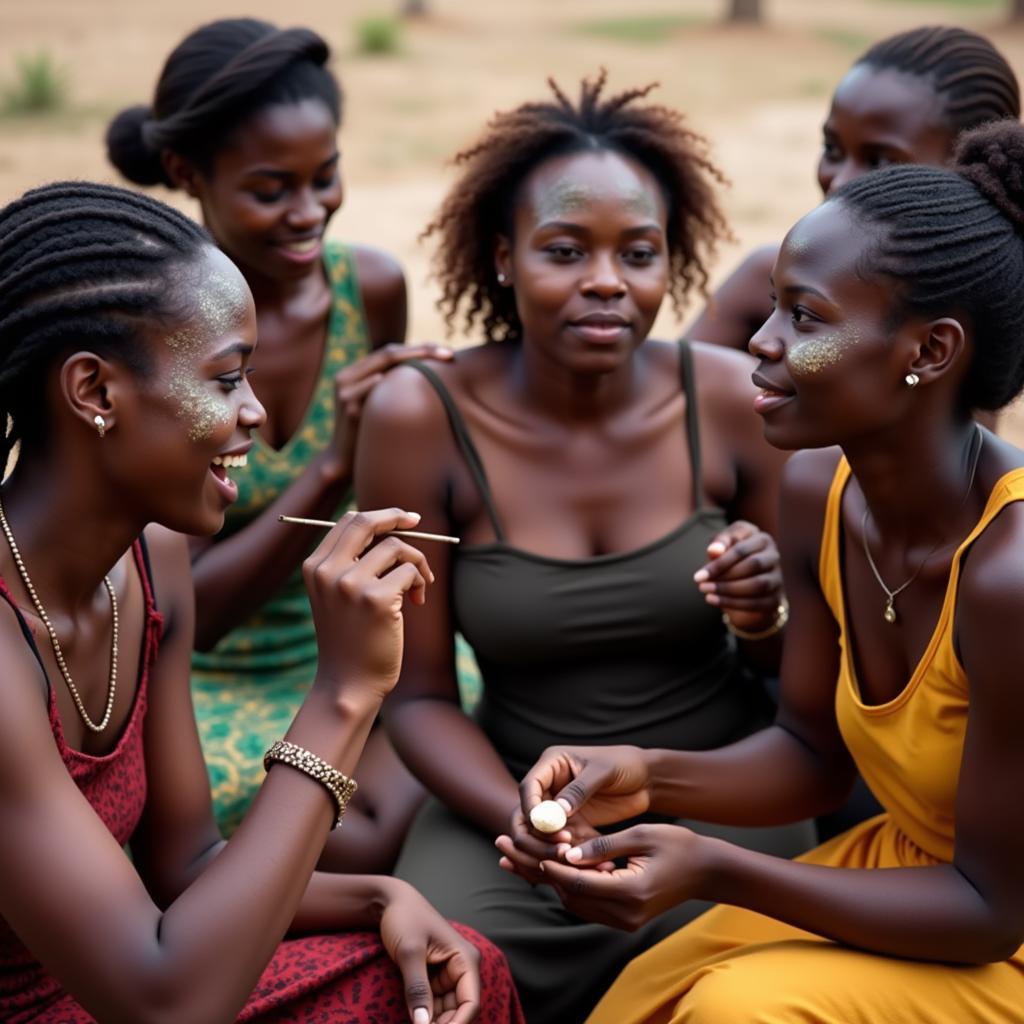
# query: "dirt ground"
758 93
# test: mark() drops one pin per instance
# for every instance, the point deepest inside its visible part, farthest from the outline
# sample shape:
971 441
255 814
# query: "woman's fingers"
383 359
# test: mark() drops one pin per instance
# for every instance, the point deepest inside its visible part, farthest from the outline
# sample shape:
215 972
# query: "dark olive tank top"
617 648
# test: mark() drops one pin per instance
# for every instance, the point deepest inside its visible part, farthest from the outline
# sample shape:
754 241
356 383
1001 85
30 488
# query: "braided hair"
482 202
217 77
969 75
87 266
950 243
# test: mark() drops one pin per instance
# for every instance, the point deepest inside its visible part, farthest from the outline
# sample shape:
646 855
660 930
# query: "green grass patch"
638 28
964 5
378 36
845 39
40 85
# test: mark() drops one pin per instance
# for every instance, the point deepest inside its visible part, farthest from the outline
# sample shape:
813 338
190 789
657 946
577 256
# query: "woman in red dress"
125 338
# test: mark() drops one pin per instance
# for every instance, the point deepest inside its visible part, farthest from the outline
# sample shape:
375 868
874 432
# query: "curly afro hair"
481 204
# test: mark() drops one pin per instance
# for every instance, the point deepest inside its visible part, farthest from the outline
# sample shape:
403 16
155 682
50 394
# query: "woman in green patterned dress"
245 120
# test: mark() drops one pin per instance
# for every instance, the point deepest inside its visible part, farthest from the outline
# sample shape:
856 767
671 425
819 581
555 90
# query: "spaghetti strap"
688 381
466 446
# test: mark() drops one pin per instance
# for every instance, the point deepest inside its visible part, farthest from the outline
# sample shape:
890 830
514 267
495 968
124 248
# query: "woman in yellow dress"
899 308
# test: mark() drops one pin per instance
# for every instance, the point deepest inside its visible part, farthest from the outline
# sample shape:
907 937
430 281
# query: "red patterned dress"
345 978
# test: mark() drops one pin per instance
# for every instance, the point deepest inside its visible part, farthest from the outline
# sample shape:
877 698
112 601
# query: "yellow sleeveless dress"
732 966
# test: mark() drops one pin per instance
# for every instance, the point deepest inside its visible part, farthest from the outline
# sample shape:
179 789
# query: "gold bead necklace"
58 653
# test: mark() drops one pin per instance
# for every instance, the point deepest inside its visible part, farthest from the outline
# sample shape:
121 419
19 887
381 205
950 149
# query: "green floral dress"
247 690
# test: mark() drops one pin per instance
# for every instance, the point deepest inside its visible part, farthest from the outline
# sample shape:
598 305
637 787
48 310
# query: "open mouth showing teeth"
231 461
306 245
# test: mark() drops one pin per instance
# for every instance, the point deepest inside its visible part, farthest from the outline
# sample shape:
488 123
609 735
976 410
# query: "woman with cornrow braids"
125 340
904 101
605 488
245 120
900 308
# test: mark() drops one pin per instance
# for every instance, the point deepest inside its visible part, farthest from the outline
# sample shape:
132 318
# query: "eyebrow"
805 289
568 225
240 347
273 172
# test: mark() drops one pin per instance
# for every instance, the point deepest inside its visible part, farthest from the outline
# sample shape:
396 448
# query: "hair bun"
128 151
991 157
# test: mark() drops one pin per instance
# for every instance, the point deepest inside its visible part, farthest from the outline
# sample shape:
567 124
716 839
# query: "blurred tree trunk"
414 7
750 10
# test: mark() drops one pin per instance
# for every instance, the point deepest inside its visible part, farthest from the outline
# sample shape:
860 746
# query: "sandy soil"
759 94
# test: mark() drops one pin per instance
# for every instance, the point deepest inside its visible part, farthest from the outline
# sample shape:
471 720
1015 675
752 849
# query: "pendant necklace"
890 595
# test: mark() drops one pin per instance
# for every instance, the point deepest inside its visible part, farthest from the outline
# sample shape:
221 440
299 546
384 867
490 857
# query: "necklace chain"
55 643
890 604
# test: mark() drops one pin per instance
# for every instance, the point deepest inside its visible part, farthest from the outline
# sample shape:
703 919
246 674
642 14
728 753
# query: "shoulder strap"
688 382
465 443
829 576
26 632
140 549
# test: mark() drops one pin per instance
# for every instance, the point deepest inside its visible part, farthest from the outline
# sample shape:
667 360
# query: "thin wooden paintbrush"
414 534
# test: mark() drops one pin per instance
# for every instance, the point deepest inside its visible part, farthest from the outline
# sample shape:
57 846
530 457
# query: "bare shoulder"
380 274
382 289
172 571
759 263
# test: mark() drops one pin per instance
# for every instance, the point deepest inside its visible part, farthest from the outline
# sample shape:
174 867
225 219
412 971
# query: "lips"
301 250
600 327
771 395
219 466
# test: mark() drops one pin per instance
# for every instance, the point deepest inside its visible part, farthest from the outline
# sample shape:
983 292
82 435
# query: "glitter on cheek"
816 354
221 307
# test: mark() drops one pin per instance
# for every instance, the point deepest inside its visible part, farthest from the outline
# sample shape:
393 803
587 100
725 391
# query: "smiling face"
272 189
832 363
588 258
195 411
879 118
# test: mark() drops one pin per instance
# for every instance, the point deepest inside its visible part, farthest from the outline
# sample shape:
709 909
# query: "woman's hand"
357 591
743 576
353 385
611 783
440 969
523 848
666 864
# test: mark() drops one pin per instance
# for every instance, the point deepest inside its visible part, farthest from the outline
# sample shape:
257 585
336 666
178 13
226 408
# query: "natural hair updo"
481 204
951 242
216 78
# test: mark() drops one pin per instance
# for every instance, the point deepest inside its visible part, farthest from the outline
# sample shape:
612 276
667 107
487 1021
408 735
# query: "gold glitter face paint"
814 355
220 307
565 197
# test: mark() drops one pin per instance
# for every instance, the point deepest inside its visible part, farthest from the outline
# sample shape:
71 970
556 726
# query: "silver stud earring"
101 424
912 380
501 278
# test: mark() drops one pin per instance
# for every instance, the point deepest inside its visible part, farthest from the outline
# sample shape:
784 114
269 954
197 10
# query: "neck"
270 292
572 398
68 531
915 482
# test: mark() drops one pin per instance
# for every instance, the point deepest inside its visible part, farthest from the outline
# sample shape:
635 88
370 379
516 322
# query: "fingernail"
542 866
497 842
701 575
566 806
421 1015
716 548
707 588
713 599
414 515
574 854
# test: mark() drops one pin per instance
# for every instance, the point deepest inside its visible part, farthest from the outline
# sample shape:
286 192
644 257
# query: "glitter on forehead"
567 196
220 306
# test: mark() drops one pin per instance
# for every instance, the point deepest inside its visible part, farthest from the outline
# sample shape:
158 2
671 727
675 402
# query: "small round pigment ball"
548 816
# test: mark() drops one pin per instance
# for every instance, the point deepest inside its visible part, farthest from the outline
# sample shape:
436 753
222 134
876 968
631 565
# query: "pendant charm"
890 613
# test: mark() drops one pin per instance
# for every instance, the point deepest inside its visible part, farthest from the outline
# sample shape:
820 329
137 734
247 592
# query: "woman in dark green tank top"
587 471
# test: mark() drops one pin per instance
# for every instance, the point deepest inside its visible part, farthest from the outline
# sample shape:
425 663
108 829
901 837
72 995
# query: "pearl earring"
912 380
101 424
501 278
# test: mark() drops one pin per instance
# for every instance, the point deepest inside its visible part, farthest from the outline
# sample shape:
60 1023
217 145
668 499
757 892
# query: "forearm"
252 890
454 760
923 913
334 903
235 577
768 778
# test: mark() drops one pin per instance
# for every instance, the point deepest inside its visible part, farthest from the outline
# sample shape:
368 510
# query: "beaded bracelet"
781 618
338 784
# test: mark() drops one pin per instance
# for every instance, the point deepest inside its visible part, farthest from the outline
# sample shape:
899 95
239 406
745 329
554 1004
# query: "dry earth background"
758 93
